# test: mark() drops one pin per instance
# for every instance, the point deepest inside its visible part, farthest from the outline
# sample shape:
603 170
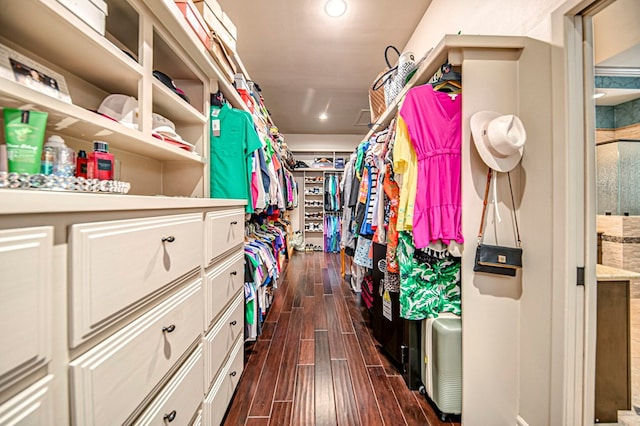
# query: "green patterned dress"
426 289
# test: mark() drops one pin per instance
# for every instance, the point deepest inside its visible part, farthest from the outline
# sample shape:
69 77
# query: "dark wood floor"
317 362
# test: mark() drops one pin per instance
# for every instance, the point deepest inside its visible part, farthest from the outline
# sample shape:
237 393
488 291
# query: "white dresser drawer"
117 265
224 229
111 380
178 402
25 301
223 281
31 407
223 335
216 402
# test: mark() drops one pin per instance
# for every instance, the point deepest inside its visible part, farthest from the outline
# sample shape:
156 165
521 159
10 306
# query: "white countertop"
609 273
16 201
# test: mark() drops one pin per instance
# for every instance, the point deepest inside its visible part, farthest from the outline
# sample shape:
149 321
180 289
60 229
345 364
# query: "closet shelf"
318 170
450 48
172 106
74 121
93 58
21 201
169 14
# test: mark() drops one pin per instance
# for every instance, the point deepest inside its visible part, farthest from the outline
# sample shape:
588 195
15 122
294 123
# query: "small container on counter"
100 162
81 164
57 158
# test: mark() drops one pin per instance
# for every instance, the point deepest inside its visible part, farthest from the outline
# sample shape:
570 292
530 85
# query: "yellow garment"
405 163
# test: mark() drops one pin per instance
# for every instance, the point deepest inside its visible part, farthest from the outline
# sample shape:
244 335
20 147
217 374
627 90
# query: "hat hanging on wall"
499 139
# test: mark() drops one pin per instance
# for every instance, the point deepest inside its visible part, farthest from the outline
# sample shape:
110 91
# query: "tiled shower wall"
618 178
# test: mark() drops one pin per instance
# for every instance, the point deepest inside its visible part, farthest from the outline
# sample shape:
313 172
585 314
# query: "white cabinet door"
223 335
178 401
31 407
223 281
25 301
112 379
118 265
216 402
225 230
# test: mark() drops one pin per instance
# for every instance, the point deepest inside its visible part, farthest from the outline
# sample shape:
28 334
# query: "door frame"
574 86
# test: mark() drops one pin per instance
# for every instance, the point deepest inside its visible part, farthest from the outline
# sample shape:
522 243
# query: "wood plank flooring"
317 363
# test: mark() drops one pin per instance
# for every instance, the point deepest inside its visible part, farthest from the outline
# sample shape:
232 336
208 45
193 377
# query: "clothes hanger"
449 86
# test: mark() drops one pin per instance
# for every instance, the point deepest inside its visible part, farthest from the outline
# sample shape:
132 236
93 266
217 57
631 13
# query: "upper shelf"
448 49
171 105
79 123
24 201
169 14
93 58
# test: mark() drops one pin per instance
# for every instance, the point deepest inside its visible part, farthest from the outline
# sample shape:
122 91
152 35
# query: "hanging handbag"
499 260
377 93
404 71
394 78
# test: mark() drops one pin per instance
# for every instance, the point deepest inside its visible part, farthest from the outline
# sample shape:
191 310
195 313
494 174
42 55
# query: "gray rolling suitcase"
442 362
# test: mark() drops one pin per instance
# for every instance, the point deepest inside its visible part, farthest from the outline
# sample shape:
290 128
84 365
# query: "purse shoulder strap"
484 208
515 216
386 54
484 205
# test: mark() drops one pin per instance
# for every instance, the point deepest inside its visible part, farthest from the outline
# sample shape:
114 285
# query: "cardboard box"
216 26
213 6
220 56
197 24
92 12
228 24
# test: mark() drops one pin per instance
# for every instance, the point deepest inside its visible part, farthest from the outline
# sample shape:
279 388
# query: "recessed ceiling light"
335 8
323 116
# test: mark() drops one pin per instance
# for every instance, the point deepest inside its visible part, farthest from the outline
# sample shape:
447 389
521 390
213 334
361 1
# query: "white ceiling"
307 62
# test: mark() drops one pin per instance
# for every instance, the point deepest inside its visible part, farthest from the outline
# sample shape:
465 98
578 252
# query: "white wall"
344 143
487 17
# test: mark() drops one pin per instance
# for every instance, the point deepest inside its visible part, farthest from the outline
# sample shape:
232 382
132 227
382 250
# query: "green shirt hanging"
233 140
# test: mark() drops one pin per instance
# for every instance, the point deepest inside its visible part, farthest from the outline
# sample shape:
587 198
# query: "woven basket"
377 101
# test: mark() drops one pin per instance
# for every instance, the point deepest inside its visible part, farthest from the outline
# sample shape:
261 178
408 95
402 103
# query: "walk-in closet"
327 212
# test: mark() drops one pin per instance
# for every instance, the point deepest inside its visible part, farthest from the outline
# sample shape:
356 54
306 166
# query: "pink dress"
434 123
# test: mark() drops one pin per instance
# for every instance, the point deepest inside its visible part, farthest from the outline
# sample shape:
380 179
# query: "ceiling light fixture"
335 8
323 116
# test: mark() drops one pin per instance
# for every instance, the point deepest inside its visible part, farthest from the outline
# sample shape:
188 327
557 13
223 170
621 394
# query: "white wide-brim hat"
499 139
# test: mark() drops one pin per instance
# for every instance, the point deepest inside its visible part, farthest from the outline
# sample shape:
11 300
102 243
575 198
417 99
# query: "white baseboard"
521 422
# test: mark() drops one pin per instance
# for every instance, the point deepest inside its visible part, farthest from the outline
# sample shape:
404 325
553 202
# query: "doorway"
616 92
610 61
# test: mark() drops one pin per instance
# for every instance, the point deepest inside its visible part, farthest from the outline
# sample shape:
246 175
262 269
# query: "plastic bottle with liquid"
57 158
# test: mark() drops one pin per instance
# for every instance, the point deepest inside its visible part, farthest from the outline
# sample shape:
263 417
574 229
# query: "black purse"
499 260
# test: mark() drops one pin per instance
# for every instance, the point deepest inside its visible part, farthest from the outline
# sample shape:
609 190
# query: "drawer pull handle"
168 329
233 374
168 239
234 273
171 416
234 322
235 222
